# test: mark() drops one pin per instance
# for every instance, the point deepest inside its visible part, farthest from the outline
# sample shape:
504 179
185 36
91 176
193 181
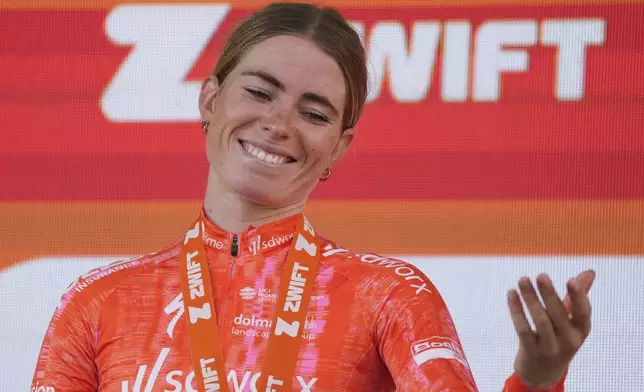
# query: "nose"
277 123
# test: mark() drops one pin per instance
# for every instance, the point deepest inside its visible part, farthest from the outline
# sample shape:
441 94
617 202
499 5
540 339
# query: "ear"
207 95
343 145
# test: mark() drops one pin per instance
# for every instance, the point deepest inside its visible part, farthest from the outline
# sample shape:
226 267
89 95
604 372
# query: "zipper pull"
235 248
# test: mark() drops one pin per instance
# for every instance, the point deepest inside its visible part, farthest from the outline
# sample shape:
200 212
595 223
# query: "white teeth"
263 155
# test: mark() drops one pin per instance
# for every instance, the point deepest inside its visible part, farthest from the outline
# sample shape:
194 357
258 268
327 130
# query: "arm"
420 346
514 384
418 342
66 360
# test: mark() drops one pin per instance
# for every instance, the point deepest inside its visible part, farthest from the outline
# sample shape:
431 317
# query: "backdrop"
501 138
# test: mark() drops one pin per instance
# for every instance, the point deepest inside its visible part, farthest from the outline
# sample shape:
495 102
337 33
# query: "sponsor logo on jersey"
247 293
180 381
42 388
414 278
101 272
258 245
257 326
176 306
212 242
266 295
176 309
437 347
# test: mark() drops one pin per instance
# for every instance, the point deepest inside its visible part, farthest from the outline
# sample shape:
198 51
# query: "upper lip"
269 148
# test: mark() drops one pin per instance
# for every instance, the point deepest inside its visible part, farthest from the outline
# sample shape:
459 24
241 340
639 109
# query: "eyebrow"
268 78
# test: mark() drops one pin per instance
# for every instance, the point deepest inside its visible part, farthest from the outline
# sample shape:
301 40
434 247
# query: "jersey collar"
256 240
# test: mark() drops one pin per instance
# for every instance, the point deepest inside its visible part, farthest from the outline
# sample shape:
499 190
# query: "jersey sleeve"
417 338
514 384
66 360
419 344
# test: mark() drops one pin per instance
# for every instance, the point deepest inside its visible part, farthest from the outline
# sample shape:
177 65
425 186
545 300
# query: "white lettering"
306 387
205 370
210 376
303 244
273 381
241 320
232 378
296 275
492 60
42 388
213 242
409 70
408 271
421 288
191 264
330 251
152 378
456 61
196 286
169 378
369 259
196 313
295 288
293 298
137 94
308 227
572 38
192 234
389 263
291 329
188 383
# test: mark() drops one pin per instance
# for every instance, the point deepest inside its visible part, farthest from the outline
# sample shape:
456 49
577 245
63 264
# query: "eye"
315 117
258 95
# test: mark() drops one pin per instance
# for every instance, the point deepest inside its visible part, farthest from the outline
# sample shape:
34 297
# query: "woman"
253 298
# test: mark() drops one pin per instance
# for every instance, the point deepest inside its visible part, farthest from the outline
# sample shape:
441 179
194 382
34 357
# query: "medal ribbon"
294 295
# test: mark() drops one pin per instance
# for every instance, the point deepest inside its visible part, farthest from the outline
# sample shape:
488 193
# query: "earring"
204 126
326 175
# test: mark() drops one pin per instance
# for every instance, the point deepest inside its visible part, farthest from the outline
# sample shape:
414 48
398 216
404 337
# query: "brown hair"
325 27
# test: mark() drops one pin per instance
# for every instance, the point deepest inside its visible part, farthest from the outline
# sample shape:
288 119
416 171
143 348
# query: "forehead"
298 64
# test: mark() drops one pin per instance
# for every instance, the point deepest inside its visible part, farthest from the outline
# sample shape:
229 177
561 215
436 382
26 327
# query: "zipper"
234 251
235 248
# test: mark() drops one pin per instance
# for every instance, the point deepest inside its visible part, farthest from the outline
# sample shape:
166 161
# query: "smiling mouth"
265 156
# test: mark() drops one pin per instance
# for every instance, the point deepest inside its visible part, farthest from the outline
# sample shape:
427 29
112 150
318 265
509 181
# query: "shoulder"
94 286
392 276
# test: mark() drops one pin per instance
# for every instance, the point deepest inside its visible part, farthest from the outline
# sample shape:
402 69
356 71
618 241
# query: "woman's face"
276 121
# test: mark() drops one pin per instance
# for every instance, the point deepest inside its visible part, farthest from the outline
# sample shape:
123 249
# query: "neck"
232 212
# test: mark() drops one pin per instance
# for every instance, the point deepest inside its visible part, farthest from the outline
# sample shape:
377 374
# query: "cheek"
320 148
229 108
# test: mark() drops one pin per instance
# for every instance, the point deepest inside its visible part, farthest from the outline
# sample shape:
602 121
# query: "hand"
562 327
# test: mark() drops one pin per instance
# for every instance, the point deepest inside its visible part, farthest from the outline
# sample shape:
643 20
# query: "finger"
580 307
545 330
585 282
554 306
521 324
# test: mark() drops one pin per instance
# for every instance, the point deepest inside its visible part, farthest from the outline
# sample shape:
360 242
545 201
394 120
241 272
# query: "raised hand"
561 327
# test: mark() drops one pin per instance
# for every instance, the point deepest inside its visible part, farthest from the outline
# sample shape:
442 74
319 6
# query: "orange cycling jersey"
373 323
